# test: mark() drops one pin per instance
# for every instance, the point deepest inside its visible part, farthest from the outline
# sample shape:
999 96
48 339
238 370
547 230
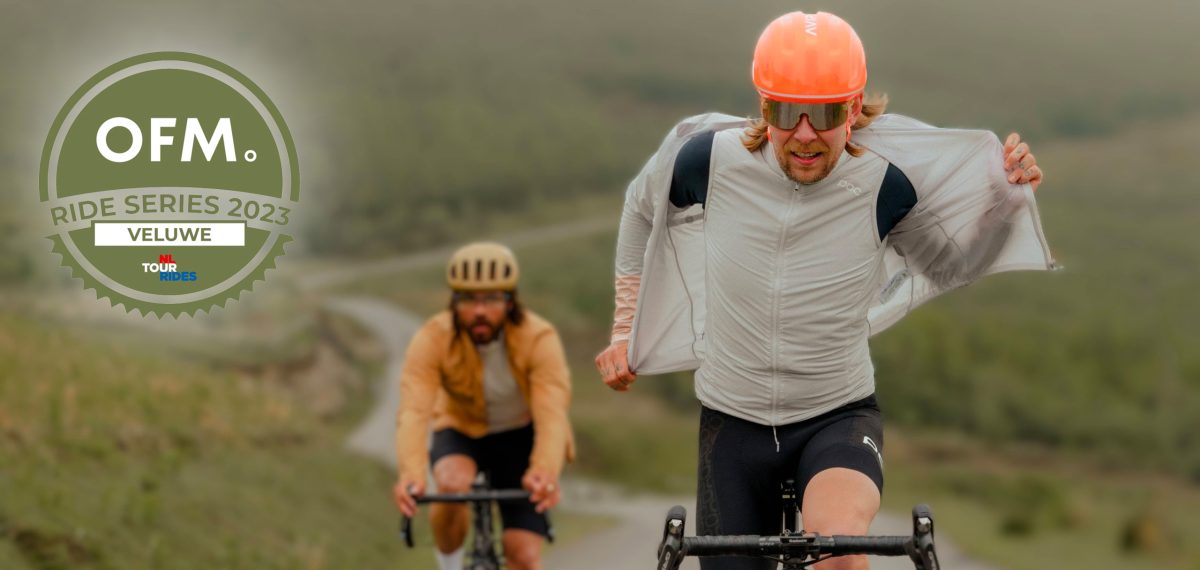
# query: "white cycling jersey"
771 289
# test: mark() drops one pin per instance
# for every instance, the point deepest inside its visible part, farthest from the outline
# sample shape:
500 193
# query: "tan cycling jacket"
442 380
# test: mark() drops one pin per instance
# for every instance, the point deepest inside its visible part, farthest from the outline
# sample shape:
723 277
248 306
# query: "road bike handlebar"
476 496
794 545
471 497
801 549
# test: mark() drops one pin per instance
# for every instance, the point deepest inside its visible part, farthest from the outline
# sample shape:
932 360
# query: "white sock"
452 561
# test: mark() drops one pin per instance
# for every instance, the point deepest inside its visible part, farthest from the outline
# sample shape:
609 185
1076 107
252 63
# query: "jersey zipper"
787 215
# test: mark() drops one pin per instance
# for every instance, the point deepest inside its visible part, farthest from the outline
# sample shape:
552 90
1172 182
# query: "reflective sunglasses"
466 300
822 116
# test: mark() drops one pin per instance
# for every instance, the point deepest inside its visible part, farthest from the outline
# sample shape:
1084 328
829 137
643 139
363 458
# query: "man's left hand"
543 489
1020 163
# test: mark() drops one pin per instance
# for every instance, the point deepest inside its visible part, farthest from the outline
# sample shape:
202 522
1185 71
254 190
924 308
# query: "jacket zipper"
787 215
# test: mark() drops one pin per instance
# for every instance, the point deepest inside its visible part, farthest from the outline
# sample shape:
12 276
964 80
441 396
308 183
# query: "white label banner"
165 234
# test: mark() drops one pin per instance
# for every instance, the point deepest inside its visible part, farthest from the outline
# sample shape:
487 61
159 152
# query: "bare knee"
524 559
454 474
522 549
840 501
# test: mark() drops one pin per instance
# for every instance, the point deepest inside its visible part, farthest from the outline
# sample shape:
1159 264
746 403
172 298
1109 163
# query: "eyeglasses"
822 116
465 300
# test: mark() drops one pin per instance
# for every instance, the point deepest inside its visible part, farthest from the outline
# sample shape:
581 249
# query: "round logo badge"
169 181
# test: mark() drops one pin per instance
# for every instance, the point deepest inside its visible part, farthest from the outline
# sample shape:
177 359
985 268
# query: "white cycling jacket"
770 289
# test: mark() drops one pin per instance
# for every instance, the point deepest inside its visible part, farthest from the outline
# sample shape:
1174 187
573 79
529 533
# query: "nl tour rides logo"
169 181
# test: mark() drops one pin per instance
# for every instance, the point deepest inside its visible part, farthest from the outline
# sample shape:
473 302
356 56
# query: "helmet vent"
482 266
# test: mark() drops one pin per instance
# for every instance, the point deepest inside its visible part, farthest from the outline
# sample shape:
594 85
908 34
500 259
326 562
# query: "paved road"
628 544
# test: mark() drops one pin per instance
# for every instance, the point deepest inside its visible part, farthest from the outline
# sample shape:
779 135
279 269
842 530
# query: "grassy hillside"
1032 507
114 457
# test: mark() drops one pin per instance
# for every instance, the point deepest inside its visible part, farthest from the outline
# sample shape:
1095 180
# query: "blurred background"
1050 419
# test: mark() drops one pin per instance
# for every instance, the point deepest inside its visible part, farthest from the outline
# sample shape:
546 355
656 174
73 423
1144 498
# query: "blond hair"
873 105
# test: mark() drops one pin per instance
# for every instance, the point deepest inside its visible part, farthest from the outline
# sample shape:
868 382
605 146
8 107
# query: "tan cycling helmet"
482 265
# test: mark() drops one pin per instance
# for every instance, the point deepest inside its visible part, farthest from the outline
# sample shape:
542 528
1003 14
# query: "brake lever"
921 550
670 550
406 530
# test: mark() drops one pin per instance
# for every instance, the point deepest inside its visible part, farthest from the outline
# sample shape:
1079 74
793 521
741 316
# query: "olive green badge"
169 181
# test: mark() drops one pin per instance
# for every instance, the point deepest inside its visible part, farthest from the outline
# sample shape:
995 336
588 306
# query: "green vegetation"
119 458
1070 512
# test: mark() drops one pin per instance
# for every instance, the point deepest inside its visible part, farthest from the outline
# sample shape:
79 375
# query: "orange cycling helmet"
809 58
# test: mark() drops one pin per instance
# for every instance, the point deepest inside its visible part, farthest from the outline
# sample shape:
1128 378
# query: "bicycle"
483 554
797 550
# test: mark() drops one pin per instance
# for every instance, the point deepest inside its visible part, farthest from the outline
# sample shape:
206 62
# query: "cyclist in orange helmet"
763 254
491 376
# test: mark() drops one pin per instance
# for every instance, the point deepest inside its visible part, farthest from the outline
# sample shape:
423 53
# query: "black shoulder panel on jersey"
896 197
689 180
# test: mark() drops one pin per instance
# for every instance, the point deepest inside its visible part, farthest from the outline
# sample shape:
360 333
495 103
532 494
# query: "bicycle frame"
483 555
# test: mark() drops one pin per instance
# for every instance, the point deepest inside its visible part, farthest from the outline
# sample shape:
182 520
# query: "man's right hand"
613 364
405 493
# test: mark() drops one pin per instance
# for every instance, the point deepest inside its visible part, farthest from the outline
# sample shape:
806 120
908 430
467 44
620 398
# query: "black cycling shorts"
740 470
504 456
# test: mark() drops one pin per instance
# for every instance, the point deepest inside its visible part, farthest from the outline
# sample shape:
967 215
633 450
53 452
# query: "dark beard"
493 332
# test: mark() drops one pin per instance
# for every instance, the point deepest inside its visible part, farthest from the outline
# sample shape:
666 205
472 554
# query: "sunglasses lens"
822 116
467 300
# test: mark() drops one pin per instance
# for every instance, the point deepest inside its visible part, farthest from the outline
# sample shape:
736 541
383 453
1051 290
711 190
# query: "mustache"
810 147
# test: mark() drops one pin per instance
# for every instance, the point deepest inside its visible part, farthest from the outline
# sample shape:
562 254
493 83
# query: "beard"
810 175
476 330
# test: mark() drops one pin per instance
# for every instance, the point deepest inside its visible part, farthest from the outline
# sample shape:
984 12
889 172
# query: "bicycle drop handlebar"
798 547
472 497
475 496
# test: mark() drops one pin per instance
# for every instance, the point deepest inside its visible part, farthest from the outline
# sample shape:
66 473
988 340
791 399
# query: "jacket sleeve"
631 244
634 233
419 383
689 186
549 403
961 229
